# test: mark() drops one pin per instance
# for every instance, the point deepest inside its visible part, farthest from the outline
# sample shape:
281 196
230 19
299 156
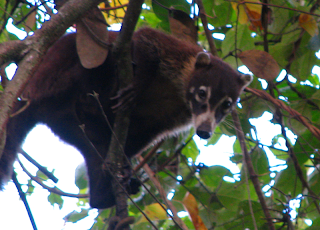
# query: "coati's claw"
124 98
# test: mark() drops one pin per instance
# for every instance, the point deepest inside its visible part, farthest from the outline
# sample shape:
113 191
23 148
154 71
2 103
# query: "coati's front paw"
124 98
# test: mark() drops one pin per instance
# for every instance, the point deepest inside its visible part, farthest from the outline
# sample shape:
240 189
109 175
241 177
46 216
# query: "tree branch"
253 175
163 195
40 167
50 189
295 114
122 56
204 20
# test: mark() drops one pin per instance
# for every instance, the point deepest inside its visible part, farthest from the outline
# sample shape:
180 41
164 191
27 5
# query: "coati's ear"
246 79
203 59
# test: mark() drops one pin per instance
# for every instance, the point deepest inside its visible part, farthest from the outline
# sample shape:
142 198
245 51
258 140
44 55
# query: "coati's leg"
66 125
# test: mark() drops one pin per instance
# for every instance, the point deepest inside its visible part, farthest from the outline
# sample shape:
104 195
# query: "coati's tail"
6 166
17 128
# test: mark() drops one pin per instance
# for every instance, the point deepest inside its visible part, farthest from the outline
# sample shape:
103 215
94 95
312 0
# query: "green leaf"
291 34
314 181
316 97
231 194
281 52
30 188
280 154
260 164
219 12
315 224
287 182
301 67
236 158
76 216
227 127
306 145
314 43
237 147
245 217
303 108
55 199
213 175
243 40
281 18
41 175
81 179
215 137
314 79
191 150
162 13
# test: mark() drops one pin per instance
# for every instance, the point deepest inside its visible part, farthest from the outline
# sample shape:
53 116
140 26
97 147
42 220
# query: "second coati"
176 85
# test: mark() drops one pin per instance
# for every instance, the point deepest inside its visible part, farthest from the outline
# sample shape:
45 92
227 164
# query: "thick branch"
122 55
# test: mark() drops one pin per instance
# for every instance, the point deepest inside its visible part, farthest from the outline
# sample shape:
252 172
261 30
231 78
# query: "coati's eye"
202 94
226 104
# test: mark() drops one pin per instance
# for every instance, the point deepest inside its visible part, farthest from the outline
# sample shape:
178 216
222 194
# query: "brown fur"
164 69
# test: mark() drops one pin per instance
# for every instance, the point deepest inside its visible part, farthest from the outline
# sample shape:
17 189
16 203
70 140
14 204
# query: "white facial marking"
209 115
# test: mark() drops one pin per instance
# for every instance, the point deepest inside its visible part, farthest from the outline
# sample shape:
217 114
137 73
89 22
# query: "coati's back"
175 84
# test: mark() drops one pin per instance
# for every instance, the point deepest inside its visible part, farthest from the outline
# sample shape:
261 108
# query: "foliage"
269 37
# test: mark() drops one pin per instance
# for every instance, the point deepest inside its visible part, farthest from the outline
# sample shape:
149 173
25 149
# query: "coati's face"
213 92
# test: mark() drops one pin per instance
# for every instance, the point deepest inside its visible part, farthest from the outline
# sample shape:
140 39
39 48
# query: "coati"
176 84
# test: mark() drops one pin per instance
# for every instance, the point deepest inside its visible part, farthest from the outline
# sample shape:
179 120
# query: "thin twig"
163 195
40 167
295 114
50 189
298 169
24 200
149 155
253 175
204 20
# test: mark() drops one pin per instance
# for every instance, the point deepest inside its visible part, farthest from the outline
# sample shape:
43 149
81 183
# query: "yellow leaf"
243 18
249 13
255 7
116 12
309 24
154 212
191 206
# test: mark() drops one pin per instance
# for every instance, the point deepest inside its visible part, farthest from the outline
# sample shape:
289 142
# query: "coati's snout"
204 131
213 92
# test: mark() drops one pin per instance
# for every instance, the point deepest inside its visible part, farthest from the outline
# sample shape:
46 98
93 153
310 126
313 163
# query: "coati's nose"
204 130
204 134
